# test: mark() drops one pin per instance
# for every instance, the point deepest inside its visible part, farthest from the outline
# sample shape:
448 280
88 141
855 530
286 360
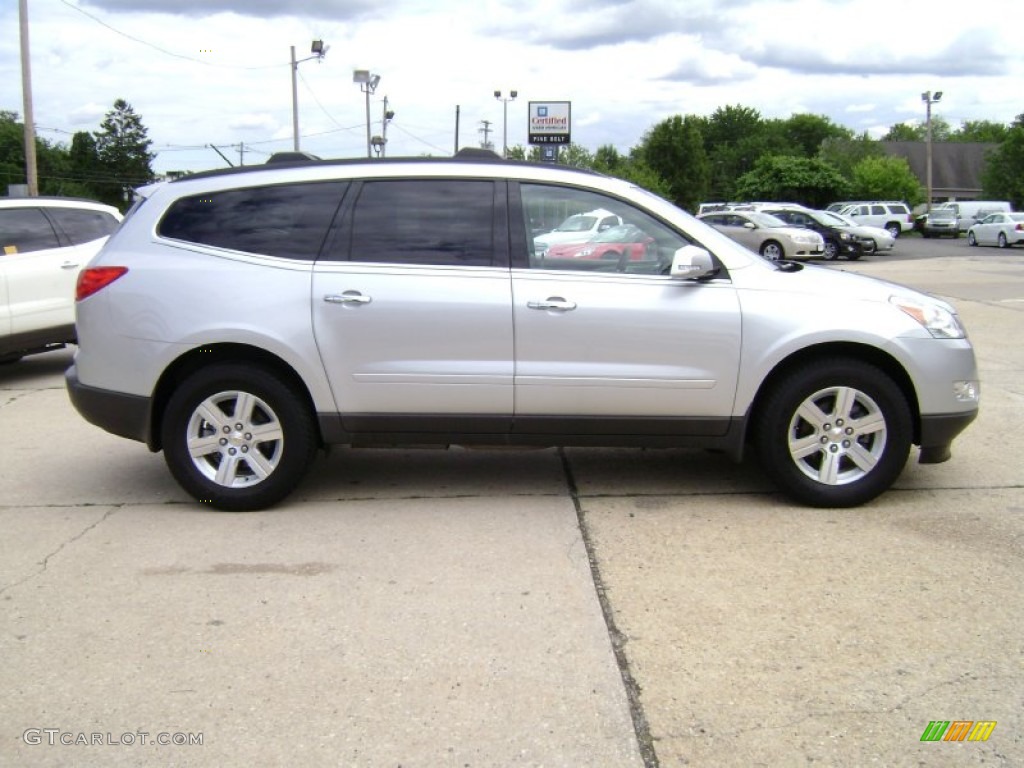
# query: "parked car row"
768 229
44 244
966 213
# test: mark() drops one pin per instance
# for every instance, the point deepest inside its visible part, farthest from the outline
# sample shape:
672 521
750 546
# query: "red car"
622 243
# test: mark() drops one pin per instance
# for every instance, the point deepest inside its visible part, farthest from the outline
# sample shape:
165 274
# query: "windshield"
766 220
626 233
832 219
577 223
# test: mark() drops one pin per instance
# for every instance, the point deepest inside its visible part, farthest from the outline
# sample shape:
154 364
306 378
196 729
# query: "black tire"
854 256
894 229
971 239
773 250
831 250
1002 241
275 436
863 439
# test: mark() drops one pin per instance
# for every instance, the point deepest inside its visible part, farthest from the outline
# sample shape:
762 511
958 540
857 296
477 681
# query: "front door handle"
556 303
69 265
347 298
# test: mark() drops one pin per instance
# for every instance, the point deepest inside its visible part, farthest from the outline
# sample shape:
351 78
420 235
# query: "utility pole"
458 112
486 131
388 115
31 175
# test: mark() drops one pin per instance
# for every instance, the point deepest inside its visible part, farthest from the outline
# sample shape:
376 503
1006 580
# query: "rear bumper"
116 412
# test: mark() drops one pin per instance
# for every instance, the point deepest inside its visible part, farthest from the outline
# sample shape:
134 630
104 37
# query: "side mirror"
749 225
691 263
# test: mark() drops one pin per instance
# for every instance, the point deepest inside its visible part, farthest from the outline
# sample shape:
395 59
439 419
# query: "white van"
969 212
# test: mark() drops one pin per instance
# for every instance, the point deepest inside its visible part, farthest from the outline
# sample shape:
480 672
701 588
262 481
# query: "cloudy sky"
217 72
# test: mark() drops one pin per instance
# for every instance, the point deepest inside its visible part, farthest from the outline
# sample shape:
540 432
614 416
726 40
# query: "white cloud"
624 65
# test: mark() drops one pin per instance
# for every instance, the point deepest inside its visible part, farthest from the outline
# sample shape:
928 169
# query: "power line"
164 50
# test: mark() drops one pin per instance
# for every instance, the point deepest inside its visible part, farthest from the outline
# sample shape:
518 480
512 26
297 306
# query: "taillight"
1019 228
95 278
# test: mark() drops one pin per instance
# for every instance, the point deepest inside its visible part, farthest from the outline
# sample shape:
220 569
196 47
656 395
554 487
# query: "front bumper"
116 412
937 433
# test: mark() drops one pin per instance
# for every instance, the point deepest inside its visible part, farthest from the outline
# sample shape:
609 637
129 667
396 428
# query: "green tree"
122 145
843 154
980 130
905 132
51 160
885 178
608 161
793 180
674 149
941 131
806 133
1003 177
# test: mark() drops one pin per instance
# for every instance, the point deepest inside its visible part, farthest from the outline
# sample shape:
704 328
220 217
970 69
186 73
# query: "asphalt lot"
534 608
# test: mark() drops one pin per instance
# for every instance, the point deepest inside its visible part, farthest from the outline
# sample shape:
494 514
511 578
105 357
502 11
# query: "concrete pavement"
429 608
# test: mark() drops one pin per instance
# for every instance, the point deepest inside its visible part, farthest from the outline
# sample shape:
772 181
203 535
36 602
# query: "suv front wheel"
237 437
834 434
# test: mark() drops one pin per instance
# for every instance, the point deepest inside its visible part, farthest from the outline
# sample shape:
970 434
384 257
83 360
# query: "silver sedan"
1002 229
765 234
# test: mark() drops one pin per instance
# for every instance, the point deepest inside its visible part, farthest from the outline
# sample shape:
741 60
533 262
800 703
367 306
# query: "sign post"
550 126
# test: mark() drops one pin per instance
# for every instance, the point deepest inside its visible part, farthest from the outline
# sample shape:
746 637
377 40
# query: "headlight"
938 321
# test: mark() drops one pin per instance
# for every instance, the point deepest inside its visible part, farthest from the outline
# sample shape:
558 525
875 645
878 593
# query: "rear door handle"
347 298
556 303
68 265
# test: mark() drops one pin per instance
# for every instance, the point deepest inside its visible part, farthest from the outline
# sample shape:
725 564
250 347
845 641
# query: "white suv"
240 320
44 242
885 214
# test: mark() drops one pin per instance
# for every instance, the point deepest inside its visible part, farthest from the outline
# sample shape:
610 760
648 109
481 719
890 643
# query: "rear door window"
429 222
25 229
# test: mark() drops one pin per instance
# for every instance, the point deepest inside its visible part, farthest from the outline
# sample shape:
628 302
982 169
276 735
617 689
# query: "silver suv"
241 320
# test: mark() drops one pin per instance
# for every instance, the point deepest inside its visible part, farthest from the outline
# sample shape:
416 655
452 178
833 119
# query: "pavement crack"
44 564
618 640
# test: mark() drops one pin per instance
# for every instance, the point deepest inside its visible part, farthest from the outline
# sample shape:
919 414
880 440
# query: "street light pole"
318 49
367 84
511 97
928 98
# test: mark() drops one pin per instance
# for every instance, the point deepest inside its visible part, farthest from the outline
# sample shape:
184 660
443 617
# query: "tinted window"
25 229
286 220
82 225
446 222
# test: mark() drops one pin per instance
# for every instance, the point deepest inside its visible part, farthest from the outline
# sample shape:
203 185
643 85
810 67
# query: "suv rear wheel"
237 437
834 434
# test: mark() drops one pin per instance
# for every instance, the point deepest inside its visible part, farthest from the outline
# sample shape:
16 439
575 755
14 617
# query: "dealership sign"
549 122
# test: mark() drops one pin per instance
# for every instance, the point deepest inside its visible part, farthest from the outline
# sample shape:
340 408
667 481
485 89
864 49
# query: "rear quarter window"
289 221
81 225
